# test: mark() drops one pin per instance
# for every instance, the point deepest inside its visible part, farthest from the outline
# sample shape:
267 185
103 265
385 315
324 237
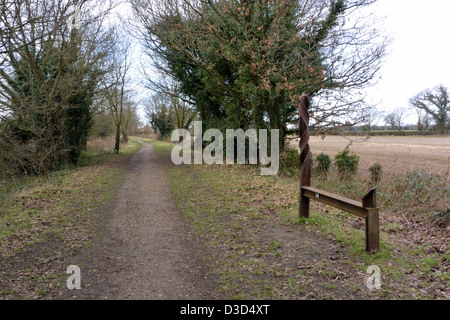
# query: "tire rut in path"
146 250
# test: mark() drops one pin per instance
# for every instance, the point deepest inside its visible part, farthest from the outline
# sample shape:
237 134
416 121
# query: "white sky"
419 54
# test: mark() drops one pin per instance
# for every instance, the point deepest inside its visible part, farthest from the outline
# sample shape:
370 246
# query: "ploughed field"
395 154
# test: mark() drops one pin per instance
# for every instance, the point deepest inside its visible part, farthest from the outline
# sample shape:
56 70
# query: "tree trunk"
117 146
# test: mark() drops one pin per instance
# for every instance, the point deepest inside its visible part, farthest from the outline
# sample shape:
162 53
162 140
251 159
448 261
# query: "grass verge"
260 249
161 147
45 221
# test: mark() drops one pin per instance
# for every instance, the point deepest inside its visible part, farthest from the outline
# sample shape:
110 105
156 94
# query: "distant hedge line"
390 133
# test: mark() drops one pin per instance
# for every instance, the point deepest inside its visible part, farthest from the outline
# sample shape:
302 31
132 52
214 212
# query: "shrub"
347 162
323 163
419 183
290 164
375 173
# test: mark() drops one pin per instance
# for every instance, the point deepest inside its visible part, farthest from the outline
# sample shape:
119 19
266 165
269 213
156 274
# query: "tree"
399 115
49 76
160 114
370 118
396 118
420 119
436 103
427 122
116 91
391 120
131 123
244 63
183 112
129 116
423 120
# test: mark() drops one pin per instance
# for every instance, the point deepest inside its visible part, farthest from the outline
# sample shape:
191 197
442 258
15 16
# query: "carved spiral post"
305 157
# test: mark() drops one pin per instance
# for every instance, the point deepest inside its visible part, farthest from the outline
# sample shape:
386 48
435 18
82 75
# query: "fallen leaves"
45 225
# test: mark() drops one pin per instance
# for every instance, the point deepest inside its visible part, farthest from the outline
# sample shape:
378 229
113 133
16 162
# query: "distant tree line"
167 111
431 106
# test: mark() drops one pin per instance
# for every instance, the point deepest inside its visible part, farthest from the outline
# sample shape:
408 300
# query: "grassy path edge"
47 221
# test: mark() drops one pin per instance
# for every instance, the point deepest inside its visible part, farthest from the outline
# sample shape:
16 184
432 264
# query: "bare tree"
129 115
427 122
116 89
390 120
370 118
436 103
396 118
400 116
183 111
421 114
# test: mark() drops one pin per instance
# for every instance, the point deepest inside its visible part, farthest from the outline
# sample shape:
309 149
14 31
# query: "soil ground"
429 153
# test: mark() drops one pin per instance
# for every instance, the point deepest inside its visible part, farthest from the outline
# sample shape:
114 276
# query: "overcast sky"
419 54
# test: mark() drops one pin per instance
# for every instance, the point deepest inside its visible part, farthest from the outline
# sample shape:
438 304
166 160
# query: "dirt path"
146 250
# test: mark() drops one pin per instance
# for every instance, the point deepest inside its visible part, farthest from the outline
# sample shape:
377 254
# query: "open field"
395 154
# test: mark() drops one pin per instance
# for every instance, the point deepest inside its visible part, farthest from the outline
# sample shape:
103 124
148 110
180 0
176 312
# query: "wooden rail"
367 209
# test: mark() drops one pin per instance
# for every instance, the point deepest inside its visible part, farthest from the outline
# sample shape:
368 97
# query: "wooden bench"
367 209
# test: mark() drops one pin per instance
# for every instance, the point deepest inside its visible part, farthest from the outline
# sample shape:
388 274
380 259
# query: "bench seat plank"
342 203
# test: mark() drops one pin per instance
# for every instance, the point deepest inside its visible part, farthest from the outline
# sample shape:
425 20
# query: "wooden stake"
305 156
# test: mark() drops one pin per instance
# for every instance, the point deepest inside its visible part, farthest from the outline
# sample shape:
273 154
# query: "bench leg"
373 231
304 205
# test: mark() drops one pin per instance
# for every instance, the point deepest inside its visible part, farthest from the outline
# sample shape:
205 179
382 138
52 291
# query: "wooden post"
305 157
370 200
372 221
373 231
